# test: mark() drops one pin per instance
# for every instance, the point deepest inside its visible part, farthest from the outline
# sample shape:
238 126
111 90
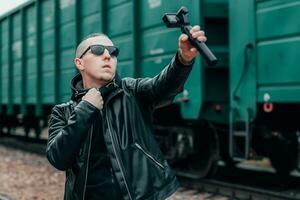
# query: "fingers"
202 39
93 90
198 34
94 97
195 29
193 50
183 38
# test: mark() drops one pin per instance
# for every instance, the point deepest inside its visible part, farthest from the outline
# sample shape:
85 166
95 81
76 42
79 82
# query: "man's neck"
93 84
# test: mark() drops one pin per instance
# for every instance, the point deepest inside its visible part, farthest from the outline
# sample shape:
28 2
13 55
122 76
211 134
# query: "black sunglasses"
99 49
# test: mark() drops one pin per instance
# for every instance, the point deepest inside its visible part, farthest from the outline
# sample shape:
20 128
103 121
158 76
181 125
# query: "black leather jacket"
140 168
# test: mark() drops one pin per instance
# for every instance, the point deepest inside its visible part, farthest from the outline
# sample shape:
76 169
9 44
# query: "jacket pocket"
149 156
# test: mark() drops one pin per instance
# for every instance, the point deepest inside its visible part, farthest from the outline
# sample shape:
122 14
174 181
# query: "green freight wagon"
245 107
265 81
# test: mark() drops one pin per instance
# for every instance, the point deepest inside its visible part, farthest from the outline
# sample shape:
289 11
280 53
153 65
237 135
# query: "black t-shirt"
101 182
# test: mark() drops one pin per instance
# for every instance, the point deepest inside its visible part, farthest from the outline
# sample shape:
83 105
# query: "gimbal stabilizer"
180 19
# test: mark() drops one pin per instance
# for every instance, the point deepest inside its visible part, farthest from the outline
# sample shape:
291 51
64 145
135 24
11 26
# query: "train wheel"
26 130
38 127
283 152
203 162
35 123
1 131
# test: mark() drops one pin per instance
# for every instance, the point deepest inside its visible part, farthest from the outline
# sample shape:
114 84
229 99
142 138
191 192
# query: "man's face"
97 67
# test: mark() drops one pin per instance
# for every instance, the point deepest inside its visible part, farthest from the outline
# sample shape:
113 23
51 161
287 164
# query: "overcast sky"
6 5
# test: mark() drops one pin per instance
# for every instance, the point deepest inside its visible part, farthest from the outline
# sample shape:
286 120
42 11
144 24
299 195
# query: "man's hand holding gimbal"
186 51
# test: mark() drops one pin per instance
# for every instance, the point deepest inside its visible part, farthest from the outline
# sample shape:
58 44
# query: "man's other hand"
94 97
186 50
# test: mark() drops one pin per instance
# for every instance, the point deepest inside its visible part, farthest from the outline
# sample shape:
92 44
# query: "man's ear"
78 63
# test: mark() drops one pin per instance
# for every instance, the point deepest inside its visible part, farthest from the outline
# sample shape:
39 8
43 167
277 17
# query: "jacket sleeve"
66 136
163 88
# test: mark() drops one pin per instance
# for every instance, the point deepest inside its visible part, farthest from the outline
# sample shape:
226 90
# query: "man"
103 137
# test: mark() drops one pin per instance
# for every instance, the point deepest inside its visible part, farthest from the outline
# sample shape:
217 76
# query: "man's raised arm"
169 82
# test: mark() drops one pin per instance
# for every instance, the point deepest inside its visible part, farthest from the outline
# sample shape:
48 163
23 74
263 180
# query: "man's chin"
107 79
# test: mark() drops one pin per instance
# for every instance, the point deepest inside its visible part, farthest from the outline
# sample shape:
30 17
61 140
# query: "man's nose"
106 54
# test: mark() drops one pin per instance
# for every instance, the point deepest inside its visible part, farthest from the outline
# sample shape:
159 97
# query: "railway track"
22 143
247 185
4 197
236 191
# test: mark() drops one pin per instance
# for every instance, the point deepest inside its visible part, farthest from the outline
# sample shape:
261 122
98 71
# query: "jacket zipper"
118 160
149 156
113 82
87 164
78 93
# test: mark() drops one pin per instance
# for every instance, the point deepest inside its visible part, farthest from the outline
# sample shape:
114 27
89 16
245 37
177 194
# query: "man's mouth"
105 66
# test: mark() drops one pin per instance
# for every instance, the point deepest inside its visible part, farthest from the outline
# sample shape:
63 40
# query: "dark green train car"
245 106
264 81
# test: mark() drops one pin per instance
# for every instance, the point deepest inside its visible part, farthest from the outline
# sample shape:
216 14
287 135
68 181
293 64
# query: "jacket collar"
78 91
